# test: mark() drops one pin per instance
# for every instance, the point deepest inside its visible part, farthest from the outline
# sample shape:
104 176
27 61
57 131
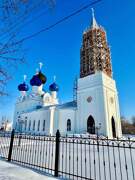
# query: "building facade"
96 108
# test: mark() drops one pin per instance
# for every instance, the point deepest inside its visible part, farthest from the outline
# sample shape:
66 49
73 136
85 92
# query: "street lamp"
97 129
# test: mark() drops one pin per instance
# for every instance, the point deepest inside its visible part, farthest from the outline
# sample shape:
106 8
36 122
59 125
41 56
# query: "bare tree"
13 15
127 126
133 120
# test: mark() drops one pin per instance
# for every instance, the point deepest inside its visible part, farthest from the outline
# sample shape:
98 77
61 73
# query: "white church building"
96 106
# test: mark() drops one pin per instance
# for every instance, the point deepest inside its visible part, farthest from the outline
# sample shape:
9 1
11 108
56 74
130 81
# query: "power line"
58 22
21 18
27 23
21 26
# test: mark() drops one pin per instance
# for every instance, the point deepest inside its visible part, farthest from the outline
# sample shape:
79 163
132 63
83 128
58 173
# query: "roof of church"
71 104
68 105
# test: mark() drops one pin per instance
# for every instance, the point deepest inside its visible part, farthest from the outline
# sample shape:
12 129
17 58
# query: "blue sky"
59 49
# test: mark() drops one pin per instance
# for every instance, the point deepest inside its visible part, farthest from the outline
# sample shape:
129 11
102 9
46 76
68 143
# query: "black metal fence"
5 139
73 157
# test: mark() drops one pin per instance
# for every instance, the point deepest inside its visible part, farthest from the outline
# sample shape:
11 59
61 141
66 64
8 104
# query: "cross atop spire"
94 22
54 78
40 65
24 77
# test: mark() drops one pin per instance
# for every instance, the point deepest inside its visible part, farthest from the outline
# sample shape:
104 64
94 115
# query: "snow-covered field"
111 160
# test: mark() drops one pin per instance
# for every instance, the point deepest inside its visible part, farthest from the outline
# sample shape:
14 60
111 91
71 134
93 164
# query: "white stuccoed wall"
101 88
30 102
25 105
63 116
41 114
111 108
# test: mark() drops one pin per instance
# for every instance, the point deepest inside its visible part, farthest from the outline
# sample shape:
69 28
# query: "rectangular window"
38 126
29 125
34 125
68 125
43 125
25 126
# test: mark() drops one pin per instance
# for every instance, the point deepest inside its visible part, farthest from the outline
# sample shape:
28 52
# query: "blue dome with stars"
54 87
23 87
35 81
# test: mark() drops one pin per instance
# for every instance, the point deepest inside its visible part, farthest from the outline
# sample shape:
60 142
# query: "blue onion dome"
35 81
23 87
42 77
54 87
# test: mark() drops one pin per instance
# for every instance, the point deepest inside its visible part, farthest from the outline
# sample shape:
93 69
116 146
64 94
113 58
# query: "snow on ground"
9 171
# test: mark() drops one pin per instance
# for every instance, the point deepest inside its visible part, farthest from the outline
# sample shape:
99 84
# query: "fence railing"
5 139
73 157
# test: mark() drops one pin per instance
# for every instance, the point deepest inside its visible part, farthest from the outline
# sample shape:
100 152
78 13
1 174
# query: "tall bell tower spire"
97 96
95 52
94 22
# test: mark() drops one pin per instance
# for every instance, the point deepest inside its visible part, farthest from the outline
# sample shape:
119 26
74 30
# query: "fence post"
11 145
97 142
57 153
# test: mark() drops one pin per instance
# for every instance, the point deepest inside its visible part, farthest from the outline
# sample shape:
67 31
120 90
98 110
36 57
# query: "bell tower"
97 97
95 52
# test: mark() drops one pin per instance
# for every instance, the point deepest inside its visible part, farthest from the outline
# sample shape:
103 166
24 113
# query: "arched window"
68 125
113 128
91 125
43 125
34 125
29 125
25 125
38 128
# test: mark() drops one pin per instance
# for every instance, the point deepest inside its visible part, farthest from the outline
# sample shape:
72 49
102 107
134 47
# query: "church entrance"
113 128
91 125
